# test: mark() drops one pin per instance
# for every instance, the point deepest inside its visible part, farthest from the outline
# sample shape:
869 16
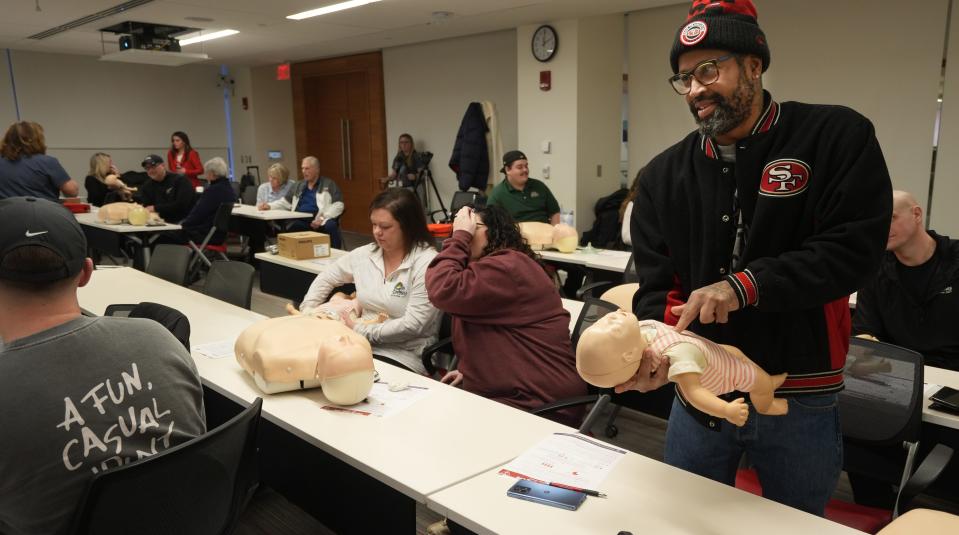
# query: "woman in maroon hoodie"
510 329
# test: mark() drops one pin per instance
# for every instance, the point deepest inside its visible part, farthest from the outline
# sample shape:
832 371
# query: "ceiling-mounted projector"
154 44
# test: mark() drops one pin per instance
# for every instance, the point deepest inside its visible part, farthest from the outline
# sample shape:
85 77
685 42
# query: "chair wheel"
611 431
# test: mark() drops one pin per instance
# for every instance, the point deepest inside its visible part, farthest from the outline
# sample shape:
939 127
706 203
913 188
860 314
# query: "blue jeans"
798 457
331 227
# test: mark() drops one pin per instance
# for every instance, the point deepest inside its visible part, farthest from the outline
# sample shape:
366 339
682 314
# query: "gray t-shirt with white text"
84 396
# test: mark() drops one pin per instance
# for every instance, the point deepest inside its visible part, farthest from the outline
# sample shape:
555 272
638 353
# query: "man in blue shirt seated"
317 195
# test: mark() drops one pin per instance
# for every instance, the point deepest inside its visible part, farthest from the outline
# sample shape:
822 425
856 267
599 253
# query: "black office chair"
248 196
231 282
199 487
460 199
175 321
592 311
880 411
221 224
595 289
170 262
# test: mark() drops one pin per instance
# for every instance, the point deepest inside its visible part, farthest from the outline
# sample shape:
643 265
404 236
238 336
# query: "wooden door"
339 117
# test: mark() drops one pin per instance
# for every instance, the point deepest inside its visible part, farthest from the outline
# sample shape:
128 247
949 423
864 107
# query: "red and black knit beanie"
721 24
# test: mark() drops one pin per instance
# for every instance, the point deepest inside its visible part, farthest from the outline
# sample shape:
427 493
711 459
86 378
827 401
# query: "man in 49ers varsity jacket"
753 232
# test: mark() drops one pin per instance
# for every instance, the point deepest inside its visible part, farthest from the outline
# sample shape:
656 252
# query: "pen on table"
577 489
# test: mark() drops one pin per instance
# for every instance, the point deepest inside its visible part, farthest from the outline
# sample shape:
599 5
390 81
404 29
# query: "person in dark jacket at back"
914 299
200 220
166 193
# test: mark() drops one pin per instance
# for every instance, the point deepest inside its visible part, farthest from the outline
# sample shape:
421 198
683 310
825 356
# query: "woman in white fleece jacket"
390 277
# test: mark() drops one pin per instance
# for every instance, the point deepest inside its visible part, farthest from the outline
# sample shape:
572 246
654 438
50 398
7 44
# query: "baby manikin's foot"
778 380
778 407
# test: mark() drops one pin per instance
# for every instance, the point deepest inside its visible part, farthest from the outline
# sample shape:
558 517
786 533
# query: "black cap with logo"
31 221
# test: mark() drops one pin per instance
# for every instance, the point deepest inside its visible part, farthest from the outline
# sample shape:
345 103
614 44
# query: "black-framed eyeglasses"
705 73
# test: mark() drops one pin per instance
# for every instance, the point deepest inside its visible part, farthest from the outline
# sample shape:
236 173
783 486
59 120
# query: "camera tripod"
422 176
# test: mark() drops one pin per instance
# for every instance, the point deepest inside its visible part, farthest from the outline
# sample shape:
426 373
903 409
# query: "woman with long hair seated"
103 182
389 275
510 329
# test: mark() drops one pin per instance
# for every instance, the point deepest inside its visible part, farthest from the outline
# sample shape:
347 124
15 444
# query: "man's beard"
729 113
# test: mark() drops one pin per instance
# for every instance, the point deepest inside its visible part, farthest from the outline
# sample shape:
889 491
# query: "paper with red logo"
567 458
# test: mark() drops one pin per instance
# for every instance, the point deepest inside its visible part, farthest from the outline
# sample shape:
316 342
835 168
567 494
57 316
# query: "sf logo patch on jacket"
784 178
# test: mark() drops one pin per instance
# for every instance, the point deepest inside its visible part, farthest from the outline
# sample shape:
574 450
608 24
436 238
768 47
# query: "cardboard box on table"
303 245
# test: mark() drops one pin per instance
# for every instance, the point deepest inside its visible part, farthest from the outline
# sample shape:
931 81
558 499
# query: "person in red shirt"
183 159
510 329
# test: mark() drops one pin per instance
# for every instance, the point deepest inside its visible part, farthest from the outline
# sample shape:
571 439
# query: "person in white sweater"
390 277
626 209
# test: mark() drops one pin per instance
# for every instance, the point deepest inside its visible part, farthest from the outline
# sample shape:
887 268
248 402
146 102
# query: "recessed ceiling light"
206 37
333 8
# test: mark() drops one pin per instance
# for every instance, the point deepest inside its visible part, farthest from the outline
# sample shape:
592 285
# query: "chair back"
198 487
882 401
462 198
221 221
248 196
170 262
175 321
231 282
593 310
629 274
236 188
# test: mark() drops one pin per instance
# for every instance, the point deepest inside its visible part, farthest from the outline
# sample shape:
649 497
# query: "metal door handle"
349 151
343 142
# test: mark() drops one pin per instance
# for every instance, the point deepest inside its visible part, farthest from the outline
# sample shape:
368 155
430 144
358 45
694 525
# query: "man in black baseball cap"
525 198
168 194
54 362
41 243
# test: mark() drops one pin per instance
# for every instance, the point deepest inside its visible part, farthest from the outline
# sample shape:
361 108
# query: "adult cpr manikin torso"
297 352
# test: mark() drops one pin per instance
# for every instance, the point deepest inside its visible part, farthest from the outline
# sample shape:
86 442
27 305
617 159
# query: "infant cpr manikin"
610 351
299 352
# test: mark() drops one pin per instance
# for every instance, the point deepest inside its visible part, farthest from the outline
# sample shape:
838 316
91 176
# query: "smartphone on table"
946 399
545 494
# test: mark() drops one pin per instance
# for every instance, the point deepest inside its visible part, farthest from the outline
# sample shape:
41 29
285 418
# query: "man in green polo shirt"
525 198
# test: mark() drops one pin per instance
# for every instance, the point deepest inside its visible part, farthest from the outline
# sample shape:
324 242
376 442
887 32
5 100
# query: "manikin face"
386 231
726 103
342 354
479 241
310 172
177 142
906 224
157 172
610 350
518 173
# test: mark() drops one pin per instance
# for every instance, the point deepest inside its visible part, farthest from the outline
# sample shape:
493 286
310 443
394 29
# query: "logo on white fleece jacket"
399 290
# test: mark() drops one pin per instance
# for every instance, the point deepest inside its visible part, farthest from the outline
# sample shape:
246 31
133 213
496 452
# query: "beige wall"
599 110
879 57
550 115
945 191
429 85
272 108
127 110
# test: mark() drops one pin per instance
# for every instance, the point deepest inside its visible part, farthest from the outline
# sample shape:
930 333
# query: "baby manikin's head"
610 350
297 352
